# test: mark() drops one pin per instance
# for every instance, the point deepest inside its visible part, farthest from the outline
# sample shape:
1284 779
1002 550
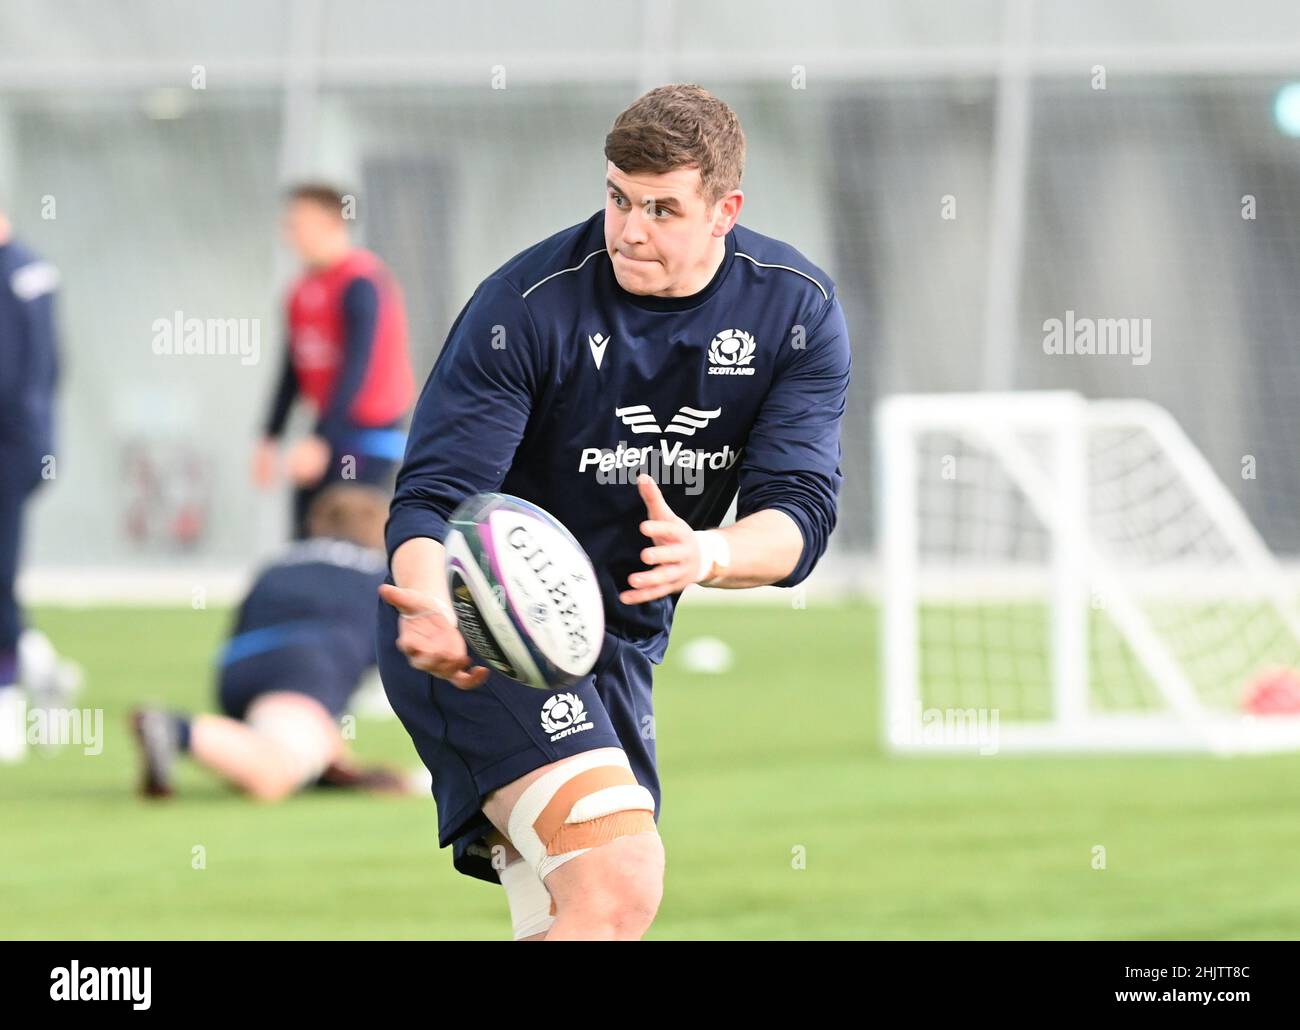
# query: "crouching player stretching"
301 643
657 335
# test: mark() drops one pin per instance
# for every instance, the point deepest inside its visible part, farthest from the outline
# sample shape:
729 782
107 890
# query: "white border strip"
763 264
561 272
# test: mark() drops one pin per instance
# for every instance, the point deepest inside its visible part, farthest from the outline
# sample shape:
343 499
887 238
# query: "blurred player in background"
29 668
346 353
724 354
303 639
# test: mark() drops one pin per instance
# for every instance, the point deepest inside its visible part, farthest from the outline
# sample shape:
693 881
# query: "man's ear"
728 212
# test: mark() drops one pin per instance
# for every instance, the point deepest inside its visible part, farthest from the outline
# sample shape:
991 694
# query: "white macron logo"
640 419
598 344
564 714
730 353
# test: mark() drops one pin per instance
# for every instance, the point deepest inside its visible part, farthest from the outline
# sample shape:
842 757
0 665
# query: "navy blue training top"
319 592
28 348
558 386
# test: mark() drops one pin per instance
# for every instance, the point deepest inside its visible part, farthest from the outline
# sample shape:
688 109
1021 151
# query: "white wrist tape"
714 550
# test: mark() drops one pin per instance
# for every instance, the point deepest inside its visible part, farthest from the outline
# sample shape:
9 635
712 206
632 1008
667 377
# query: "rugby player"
657 335
346 354
28 376
301 644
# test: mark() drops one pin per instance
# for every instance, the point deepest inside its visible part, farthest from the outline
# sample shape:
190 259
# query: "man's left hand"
675 554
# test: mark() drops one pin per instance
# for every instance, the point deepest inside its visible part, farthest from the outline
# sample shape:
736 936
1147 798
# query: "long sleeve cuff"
407 521
809 499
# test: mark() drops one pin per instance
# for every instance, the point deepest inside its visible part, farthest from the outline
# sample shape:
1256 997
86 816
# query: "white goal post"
1070 574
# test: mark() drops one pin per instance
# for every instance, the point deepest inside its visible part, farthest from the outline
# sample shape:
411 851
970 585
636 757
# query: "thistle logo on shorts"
730 353
563 715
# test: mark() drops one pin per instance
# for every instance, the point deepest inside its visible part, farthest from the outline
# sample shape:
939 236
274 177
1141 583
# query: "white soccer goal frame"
1075 571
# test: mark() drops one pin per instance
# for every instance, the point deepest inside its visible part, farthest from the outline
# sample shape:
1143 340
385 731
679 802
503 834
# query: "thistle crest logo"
730 353
563 714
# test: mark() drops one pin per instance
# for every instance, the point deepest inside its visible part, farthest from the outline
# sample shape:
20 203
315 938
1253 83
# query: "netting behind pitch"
1166 562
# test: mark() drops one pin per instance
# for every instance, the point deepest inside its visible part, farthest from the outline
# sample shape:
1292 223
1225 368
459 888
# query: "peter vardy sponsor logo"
102 983
730 353
663 455
669 462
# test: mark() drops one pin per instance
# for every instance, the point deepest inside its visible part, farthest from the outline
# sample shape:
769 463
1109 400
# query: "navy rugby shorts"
474 741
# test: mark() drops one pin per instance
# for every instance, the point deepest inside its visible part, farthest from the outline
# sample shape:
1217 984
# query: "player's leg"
50 679
465 740
285 741
610 893
12 700
532 910
302 498
587 828
14 482
485 748
624 685
345 773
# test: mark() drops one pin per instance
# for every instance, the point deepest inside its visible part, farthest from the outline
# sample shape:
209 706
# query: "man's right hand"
428 636
266 464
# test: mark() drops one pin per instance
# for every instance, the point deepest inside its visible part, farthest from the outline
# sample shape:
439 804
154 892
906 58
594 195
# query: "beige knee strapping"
590 800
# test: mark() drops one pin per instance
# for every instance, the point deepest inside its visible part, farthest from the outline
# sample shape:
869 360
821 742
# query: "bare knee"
298 741
587 827
618 885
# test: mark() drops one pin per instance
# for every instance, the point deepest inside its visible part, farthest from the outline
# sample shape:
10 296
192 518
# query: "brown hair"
319 193
680 126
349 512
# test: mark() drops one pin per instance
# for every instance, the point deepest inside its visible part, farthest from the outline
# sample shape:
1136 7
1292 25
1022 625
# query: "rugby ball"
524 591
